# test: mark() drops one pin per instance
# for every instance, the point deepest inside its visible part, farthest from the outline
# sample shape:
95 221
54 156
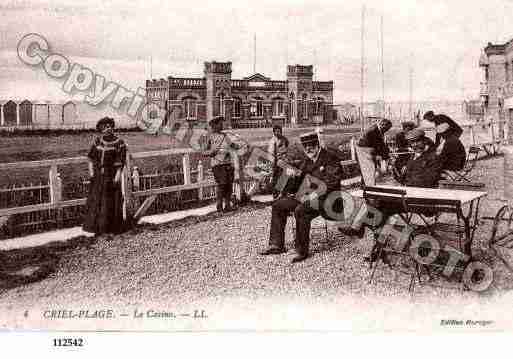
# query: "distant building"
496 91
255 98
38 115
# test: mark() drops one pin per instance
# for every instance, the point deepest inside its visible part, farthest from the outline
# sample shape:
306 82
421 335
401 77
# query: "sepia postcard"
270 166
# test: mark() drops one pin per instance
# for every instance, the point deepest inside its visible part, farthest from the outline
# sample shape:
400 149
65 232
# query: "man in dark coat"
454 128
321 170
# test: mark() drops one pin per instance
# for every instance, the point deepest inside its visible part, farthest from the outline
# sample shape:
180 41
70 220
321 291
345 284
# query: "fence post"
492 138
186 160
352 148
136 179
506 131
200 179
55 184
90 168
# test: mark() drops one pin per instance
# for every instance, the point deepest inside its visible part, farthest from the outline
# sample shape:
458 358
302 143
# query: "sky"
440 41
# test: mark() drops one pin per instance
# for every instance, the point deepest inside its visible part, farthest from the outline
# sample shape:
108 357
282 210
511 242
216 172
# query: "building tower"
218 77
300 88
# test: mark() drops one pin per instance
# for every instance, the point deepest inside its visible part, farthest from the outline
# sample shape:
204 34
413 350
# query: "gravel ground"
215 257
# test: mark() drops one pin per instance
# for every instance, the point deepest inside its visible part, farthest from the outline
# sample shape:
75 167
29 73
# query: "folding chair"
423 209
470 164
382 249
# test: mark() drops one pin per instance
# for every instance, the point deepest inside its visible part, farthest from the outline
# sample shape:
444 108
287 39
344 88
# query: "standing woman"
105 203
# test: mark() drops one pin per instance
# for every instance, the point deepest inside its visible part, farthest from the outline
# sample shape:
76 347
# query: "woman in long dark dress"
104 208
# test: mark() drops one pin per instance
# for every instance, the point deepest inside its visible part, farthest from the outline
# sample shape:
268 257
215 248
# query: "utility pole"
362 83
254 54
382 66
410 113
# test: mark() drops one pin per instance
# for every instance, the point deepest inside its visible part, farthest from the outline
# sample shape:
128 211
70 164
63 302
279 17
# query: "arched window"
257 107
304 103
278 108
189 108
318 109
291 96
237 103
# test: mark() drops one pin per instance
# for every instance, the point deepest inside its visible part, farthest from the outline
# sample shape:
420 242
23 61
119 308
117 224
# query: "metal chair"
382 249
502 234
470 164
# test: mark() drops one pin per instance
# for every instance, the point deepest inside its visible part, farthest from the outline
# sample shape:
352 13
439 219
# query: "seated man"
422 170
450 151
403 155
322 168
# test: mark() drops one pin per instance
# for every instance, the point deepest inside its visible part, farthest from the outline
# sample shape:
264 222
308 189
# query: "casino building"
252 101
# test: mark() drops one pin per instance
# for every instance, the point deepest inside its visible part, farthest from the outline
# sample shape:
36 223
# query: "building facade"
253 99
496 92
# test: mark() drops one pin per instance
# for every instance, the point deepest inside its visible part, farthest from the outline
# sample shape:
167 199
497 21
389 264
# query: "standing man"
454 128
278 146
320 168
222 149
371 148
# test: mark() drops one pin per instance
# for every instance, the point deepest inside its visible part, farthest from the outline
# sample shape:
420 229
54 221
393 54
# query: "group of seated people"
421 163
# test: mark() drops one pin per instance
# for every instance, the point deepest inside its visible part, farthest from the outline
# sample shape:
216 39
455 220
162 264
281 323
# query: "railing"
322 85
272 85
187 83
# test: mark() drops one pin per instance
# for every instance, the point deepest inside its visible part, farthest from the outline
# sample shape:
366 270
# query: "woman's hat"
104 122
409 125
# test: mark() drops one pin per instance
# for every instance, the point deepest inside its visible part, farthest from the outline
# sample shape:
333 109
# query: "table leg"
470 227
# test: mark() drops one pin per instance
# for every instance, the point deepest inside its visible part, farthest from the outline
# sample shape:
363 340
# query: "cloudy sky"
440 40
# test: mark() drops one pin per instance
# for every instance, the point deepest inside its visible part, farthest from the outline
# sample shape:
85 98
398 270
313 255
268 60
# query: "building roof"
257 77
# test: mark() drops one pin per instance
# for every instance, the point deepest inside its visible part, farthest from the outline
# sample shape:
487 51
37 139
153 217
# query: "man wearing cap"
222 148
371 148
450 151
422 170
321 172
454 128
278 146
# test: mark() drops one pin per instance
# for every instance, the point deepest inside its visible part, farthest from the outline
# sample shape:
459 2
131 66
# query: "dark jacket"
453 154
373 138
454 128
327 169
424 171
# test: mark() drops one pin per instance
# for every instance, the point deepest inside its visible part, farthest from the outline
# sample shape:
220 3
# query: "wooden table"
434 195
